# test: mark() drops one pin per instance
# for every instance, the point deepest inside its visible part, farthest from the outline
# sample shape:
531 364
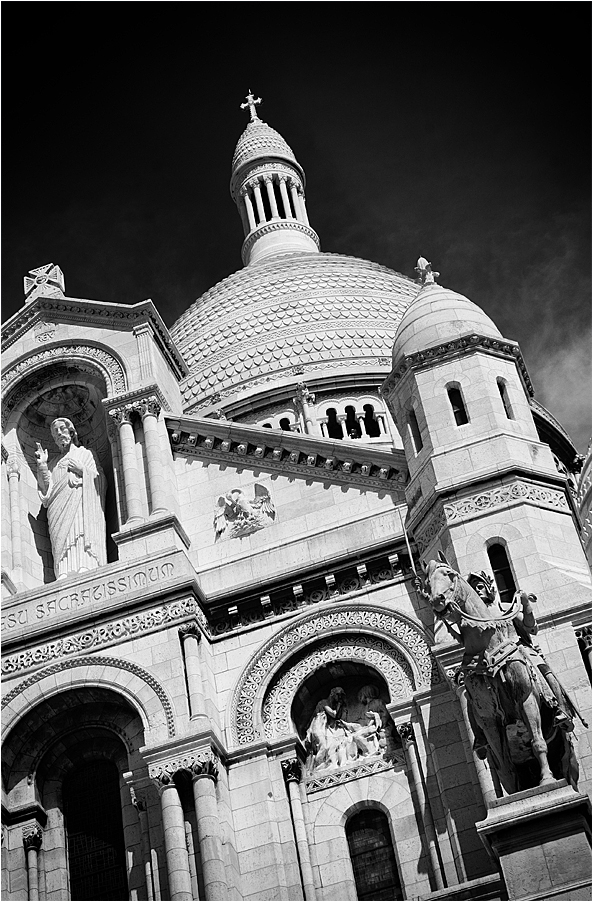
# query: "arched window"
334 428
267 425
285 424
373 430
372 856
415 432
503 574
94 829
504 397
457 405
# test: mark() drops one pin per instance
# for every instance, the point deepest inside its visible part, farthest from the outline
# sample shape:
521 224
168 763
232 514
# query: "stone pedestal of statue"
541 840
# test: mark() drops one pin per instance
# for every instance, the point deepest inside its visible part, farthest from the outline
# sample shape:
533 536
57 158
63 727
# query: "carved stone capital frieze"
203 763
148 407
291 770
32 836
405 732
191 628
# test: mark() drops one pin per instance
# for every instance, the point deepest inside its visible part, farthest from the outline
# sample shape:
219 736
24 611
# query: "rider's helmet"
483 584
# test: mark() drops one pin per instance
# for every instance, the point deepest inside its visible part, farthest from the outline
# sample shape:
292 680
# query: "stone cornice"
133 399
100 313
310 457
421 359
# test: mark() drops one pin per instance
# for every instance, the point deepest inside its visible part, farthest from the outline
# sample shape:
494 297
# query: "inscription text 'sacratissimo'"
75 598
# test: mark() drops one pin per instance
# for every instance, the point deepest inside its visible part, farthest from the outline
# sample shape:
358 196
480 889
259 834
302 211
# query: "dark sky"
457 131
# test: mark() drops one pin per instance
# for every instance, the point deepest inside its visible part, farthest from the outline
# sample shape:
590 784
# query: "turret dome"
260 140
439 315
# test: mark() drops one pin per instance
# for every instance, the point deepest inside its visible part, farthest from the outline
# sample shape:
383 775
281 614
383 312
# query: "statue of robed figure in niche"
72 488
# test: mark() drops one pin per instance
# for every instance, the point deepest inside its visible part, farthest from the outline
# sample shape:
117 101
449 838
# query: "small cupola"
268 187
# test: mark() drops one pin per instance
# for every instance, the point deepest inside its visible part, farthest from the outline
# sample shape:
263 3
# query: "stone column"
303 400
124 416
406 733
174 836
488 779
140 806
143 333
323 426
32 836
190 636
205 774
259 202
285 200
361 425
14 475
249 209
584 634
271 196
295 199
303 207
149 409
291 770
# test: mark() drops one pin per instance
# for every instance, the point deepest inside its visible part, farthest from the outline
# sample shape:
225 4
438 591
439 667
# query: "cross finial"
251 102
425 271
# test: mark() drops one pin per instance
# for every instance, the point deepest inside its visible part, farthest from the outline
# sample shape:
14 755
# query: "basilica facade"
225 673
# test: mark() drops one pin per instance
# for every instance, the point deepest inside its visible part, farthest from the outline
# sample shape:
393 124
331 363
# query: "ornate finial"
251 102
425 271
46 280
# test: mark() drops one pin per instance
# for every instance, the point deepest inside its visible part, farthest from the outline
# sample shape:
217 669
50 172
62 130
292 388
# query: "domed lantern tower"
484 488
268 186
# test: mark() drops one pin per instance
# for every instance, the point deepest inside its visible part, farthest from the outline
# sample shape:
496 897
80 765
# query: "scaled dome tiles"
259 140
302 314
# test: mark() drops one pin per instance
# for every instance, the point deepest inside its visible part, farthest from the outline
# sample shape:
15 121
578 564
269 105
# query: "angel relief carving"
236 514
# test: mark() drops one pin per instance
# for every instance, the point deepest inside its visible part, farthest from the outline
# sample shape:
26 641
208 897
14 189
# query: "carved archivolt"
385 639
99 661
502 495
377 653
110 366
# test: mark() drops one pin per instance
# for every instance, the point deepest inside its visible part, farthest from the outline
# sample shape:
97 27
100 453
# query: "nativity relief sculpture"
521 717
72 488
333 741
237 514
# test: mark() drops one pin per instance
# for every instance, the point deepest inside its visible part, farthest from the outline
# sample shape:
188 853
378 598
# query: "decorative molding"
430 529
98 661
147 399
279 454
365 768
474 342
107 634
347 618
477 504
275 225
371 650
405 732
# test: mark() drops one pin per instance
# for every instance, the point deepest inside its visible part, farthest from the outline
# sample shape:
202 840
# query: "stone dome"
292 318
260 140
436 316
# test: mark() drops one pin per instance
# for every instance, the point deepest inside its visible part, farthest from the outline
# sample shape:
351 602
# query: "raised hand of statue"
40 454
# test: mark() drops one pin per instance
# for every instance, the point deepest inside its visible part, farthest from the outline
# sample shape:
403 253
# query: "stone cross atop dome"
251 102
425 271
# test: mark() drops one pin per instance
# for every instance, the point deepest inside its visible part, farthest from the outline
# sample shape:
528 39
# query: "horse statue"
521 717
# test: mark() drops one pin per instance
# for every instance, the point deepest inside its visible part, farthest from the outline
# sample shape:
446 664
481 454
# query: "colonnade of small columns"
360 418
271 197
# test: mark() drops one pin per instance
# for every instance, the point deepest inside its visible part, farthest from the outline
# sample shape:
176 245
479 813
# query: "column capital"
123 414
203 763
584 634
291 770
406 733
303 395
149 406
191 628
13 467
32 836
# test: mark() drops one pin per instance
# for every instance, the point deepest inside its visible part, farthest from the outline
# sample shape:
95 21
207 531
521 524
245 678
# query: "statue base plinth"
142 537
541 841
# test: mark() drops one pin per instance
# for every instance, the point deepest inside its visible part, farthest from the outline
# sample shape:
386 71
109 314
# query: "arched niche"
383 640
72 389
